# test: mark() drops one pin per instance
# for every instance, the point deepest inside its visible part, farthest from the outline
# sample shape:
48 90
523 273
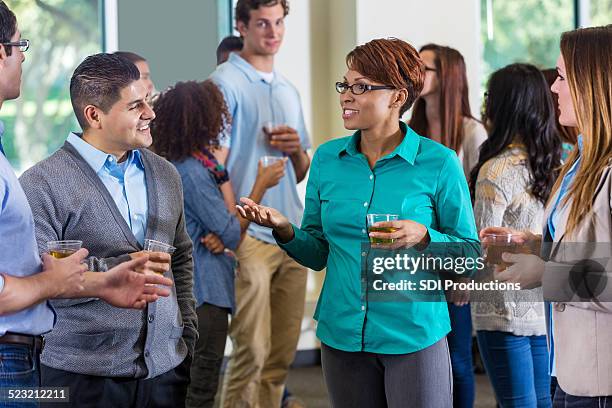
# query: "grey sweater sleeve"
48 218
182 269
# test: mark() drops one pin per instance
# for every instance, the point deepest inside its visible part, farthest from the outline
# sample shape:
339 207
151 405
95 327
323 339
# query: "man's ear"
3 55
241 27
93 116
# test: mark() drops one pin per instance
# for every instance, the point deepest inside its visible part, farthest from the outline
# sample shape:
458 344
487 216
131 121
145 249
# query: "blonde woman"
579 211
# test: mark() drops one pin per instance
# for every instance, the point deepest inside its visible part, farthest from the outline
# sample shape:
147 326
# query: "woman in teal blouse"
378 353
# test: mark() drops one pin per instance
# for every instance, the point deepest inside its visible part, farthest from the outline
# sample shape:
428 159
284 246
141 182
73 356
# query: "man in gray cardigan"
104 188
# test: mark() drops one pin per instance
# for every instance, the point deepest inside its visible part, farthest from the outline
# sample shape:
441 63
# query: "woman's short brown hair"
390 61
190 117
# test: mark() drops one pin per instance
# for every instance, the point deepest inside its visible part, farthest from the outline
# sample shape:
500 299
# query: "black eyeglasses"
22 44
430 69
358 89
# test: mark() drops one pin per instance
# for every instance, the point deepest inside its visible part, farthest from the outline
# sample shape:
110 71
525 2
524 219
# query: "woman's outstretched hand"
266 217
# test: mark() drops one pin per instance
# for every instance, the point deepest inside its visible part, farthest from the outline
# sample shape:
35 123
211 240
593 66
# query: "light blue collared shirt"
1 134
552 224
19 252
124 181
565 186
252 102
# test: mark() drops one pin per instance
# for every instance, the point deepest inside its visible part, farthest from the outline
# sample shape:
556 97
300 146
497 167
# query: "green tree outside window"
62 34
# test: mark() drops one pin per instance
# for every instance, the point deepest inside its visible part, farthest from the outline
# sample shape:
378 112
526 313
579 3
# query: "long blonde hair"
587 53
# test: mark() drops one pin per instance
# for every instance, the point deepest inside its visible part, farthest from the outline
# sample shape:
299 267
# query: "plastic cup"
63 249
151 245
269 160
494 245
373 219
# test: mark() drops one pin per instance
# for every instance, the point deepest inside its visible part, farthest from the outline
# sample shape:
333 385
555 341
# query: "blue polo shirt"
252 102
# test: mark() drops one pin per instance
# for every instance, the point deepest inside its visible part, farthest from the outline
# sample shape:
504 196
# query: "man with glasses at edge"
26 282
270 288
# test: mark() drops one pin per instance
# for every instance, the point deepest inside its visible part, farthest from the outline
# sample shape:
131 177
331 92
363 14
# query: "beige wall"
452 23
321 32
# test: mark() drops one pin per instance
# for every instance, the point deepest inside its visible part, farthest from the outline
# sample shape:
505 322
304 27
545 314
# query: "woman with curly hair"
190 117
511 183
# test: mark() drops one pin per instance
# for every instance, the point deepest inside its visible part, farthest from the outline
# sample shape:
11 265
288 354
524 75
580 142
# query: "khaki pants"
270 292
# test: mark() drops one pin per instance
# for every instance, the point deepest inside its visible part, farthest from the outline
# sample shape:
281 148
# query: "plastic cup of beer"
151 245
375 218
494 245
63 249
269 160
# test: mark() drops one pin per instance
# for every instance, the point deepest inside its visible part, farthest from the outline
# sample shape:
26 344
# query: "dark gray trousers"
208 355
422 379
167 390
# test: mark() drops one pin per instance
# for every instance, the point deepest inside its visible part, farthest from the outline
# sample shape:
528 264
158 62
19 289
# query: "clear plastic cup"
152 245
63 249
494 245
269 160
373 219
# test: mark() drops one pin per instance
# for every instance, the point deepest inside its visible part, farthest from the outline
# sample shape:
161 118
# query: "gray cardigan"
91 337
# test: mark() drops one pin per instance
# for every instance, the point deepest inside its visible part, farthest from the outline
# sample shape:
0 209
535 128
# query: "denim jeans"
517 367
19 368
460 347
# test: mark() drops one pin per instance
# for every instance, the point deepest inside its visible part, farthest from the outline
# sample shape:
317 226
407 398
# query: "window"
523 31
62 33
601 12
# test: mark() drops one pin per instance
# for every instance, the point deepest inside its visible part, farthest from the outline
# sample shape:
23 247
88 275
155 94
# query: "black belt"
35 342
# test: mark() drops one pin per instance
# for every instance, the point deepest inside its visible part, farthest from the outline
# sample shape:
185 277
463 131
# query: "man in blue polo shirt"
26 282
267 120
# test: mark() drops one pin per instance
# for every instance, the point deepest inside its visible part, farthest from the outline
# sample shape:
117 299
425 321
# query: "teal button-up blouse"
422 181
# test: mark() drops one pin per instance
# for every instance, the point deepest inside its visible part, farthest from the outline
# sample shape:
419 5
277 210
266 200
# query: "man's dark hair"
230 43
8 25
98 81
244 7
130 56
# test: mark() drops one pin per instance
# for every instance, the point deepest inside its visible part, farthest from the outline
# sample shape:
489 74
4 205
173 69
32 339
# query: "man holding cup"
26 282
270 288
105 188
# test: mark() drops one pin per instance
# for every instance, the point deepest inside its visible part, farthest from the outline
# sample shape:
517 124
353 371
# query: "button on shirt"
252 102
422 181
124 181
19 253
